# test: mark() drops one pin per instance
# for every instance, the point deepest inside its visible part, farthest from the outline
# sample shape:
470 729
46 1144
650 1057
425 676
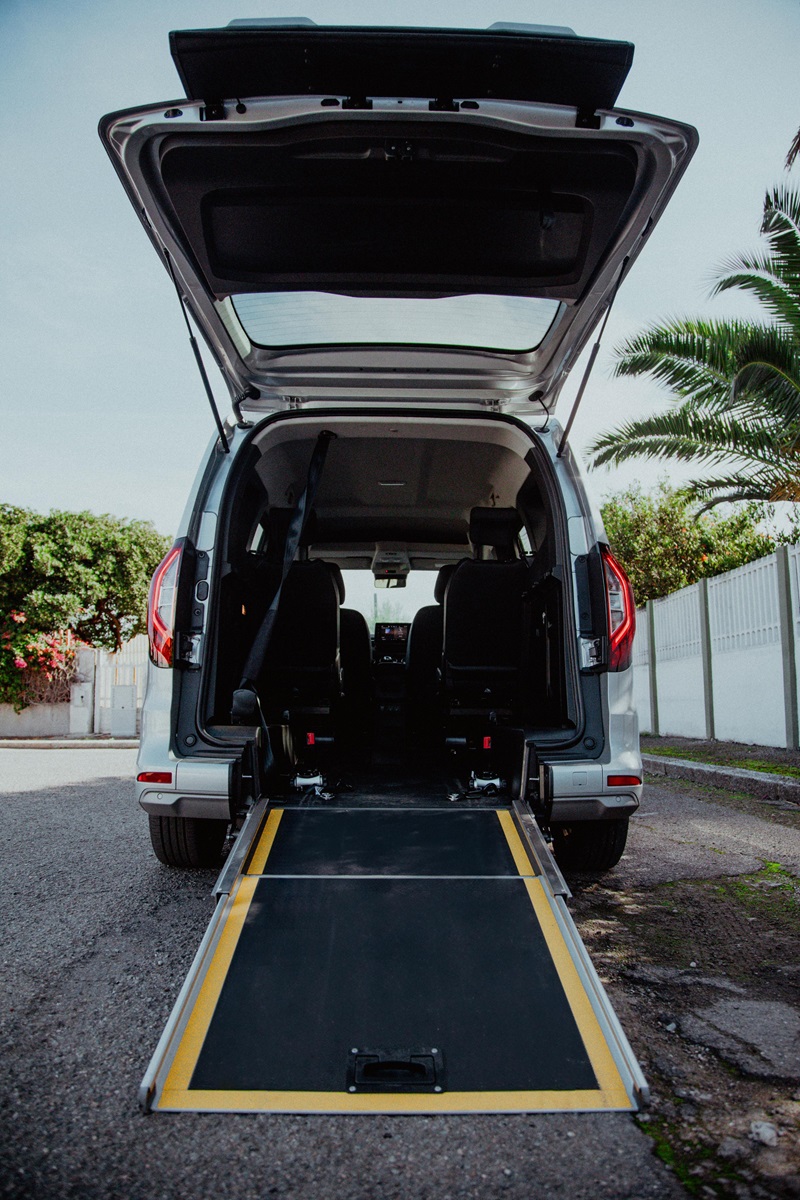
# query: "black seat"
301 668
355 648
301 672
424 655
484 620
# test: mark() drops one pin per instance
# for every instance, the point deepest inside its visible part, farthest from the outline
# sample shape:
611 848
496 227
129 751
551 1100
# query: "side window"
258 538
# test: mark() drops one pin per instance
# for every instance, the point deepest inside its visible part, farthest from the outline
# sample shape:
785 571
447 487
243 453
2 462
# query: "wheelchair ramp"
376 960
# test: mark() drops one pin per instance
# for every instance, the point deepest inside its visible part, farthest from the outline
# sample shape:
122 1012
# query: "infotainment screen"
391 633
391 639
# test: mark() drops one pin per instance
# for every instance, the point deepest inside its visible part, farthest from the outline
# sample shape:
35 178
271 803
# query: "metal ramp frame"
341 934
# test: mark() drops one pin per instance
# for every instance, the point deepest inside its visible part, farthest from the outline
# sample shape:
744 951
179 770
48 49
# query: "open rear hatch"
401 215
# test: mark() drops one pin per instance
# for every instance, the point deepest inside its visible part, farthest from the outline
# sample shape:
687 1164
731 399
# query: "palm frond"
777 296
689 436
691 358
772 274
794 151
780 223
735 384
763 487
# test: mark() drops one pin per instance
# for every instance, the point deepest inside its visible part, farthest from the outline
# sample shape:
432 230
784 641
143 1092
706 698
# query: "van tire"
590 845
187 841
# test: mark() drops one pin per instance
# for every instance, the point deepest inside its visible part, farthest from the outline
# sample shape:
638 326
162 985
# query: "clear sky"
101 404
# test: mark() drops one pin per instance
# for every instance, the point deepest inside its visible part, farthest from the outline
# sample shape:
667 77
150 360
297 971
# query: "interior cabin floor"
396 770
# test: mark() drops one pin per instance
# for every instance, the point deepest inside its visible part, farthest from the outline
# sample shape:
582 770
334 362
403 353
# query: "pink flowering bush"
75 572
35 668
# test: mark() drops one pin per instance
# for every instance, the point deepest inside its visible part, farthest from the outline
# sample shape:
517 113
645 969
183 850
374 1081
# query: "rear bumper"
173 804
202 788
580 791
593 808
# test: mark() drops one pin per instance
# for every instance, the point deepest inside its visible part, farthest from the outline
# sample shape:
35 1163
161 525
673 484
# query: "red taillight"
154 777
161 609
621 613
623 781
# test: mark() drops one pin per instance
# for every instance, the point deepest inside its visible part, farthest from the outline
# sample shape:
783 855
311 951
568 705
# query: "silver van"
395 243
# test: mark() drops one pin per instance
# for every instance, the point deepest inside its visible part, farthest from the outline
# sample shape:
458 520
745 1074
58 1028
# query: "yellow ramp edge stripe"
238 905
265 843
194 1035
177 1095
377 1102
515 844
600 1056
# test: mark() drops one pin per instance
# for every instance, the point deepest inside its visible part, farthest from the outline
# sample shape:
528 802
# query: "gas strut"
563 443
198 358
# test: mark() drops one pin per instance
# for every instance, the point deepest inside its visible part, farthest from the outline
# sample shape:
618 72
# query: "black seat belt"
246 706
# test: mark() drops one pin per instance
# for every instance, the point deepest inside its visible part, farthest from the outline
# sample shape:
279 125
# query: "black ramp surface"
326 965
381 842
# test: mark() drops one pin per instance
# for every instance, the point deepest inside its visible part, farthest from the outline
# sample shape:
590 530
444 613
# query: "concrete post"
786 622
81 703
705 657
652 669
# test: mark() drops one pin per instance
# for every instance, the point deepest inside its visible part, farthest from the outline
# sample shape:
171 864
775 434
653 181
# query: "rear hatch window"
318 318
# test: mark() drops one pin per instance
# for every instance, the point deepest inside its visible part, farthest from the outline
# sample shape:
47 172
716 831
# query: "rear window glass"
509 323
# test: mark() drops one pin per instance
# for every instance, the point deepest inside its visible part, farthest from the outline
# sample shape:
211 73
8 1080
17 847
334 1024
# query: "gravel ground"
696 935
98 938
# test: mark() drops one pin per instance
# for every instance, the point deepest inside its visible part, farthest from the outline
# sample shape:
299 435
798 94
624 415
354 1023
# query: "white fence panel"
681 708
747 669
641 671
126 668
794 599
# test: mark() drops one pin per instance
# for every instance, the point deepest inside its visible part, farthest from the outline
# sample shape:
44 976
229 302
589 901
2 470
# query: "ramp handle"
395 1070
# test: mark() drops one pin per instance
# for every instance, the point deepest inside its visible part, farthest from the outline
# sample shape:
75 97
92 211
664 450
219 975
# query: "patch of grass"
676 929
681 1156
771 893
745 764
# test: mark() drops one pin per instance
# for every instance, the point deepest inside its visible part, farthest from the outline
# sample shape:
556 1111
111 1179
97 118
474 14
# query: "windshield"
396 604
515 323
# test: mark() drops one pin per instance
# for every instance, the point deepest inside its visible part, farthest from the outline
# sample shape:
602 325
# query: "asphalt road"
98 937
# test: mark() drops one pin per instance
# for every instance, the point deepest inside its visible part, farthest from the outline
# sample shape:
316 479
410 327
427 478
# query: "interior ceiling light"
391 483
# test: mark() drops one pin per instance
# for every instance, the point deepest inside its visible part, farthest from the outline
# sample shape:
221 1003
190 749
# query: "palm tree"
735 384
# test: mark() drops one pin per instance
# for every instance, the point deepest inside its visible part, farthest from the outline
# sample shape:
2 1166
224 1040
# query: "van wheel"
590 845
187 841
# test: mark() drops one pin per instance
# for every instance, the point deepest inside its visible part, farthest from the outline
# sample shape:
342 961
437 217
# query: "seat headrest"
335 573
496 527
442 580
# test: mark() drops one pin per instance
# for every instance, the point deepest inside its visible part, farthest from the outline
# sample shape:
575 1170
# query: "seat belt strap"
245 698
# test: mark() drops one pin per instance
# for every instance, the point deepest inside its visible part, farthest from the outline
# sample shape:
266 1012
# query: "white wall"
750 648
681 708
37 720
747 657
641 671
